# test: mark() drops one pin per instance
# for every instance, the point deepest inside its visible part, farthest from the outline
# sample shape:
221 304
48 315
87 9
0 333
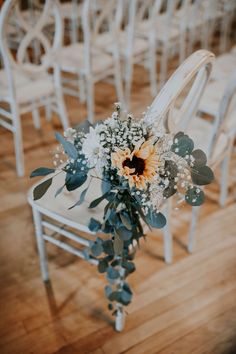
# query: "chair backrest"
97 20
31 31
225 122
194 71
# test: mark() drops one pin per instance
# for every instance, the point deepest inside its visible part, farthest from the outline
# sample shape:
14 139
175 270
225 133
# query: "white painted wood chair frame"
86 77
11 119
162 112
220 126
159 111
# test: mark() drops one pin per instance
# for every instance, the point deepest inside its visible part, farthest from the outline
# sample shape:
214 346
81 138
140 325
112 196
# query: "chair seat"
201 130
58 207
71 59
162 34
105 41
28 88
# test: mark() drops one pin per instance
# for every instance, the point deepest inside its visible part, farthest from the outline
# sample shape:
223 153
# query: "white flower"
91 147
70 134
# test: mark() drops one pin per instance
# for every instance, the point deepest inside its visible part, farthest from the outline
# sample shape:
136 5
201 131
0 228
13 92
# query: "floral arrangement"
139 166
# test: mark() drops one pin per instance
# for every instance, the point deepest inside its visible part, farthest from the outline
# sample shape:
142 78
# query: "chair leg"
90 98
164 58
128 80
48 110
60 99
82 94
18 145
224 180
118 80
36 117
168 241
120 319
192 232
40 244
152 67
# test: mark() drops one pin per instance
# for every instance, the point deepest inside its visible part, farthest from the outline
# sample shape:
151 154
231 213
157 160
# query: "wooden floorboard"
187 307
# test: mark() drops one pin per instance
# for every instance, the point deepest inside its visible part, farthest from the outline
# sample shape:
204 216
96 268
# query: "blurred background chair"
86 60
26 86
216 138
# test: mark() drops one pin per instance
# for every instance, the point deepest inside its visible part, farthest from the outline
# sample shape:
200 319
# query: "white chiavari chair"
25 86
51 216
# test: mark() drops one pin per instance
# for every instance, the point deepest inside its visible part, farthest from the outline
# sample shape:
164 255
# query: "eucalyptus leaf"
41 189
184 145
96 249
108 291
102 265
81 199
59 190
126 220
74 181
124 233
69 148
202 175
195 196
97 201
157 220
112 273
108 247
42 171
118 245
200 158
94 225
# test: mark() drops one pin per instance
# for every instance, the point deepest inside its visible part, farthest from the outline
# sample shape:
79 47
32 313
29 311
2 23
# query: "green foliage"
42 171
68 147
41 189
97 248
195 196
94 225
202 175
59 190
112 273
97 201
118 245
124 233
108 247
81 199
74 181
103 265
157 220
200 158
183 145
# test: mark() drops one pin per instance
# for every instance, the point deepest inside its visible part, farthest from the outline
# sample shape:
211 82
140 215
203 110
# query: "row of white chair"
115 36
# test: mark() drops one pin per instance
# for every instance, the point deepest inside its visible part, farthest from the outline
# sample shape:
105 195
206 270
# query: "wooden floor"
187 307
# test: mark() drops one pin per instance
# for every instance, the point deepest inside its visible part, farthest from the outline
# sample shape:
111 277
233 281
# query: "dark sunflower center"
136 163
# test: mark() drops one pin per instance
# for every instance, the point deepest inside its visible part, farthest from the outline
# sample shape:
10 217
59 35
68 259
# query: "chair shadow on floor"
96 312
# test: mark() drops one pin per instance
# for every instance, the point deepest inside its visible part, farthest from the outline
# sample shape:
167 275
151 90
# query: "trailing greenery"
139 169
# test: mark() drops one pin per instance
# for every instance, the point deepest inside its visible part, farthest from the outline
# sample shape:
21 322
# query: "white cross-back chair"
132 49
87 61
24 86
165 30
216 138
51 215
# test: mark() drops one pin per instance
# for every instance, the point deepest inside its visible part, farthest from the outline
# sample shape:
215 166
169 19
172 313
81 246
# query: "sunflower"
139 167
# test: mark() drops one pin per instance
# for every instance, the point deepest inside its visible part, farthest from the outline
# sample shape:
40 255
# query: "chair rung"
66 233
6 125
69 248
